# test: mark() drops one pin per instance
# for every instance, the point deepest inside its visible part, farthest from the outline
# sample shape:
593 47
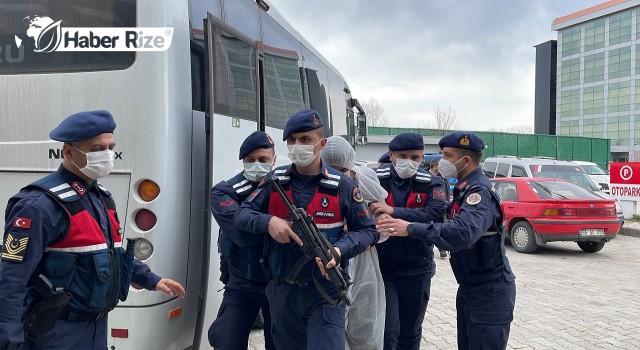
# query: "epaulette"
56 186
241 185
384 171
423 177
282 174
331 181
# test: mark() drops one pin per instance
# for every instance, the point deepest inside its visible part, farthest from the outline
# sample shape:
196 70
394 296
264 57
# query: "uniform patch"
324 202
15 247
357 195
418 198
227 203
325 214
462 185
465 140
78 188
438 194
21 222
474 199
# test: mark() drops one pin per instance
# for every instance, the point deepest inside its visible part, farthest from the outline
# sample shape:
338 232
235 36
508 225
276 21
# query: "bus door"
232 109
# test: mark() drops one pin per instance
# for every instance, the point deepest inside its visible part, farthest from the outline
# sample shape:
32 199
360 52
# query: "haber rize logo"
46 33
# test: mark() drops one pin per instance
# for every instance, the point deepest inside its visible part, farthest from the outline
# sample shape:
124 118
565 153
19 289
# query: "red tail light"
145 219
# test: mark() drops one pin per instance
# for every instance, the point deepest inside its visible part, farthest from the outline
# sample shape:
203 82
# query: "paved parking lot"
567 299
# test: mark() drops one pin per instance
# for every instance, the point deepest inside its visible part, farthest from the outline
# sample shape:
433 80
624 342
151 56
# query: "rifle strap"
300 264
324 293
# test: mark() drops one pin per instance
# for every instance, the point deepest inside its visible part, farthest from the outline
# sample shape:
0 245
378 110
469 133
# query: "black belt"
69 315
281 280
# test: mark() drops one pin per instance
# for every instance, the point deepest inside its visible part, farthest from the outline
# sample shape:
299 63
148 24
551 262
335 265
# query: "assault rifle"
315 244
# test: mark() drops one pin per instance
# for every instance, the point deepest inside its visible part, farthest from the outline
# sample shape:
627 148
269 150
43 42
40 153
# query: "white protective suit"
365 316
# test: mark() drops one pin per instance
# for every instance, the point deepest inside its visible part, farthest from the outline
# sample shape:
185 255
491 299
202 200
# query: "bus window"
235 87
283 94
18 17
198 97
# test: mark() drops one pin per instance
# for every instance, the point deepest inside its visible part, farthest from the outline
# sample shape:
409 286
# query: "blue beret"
258 139
83 126
305 120
384 158
462 140
407 141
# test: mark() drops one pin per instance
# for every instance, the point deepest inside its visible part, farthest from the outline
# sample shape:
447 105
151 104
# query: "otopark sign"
625 180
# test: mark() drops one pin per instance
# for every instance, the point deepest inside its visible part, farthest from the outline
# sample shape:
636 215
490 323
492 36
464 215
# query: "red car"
541 210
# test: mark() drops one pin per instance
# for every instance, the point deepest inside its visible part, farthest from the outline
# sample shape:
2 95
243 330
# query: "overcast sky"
476 56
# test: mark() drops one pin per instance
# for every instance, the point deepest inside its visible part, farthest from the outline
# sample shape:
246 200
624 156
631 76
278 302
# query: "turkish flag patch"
21 222
438 194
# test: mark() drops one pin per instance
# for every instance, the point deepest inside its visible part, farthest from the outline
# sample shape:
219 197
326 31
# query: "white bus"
233 67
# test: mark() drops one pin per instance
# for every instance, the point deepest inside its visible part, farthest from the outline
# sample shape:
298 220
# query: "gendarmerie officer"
243 254
475 236
301 316
407 264
65 228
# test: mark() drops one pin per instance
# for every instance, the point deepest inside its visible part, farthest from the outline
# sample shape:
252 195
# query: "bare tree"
445 118
424 124
517 129
375 113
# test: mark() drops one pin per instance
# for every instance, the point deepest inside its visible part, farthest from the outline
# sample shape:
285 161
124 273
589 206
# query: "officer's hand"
379 217
331 264
380 208
281 232
393 227
170 287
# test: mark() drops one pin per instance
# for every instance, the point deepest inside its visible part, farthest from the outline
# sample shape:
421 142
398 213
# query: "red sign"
625 173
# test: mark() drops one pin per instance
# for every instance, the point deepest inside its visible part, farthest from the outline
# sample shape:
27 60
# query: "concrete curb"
629 231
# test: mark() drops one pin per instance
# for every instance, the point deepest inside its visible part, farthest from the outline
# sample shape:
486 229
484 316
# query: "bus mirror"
362 125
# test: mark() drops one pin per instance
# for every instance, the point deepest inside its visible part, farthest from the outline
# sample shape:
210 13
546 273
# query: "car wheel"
523 239
591 246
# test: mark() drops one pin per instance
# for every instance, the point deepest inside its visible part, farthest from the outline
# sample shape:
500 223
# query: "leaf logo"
49 39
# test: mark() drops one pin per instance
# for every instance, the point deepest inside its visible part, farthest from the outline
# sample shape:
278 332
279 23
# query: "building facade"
598 75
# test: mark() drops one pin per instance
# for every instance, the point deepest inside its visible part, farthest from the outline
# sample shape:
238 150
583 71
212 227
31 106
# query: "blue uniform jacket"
252 219
242 252
406 249
464 235
48 224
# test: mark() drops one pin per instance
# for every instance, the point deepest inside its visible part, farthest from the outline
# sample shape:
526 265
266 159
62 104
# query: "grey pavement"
567 299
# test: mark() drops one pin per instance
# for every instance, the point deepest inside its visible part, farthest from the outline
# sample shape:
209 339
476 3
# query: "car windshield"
561 190
567 172
593 170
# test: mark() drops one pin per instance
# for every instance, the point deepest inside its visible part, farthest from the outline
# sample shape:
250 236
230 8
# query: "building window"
570 103
569 128
620 62
620 28
593 100
594 35
593 127
594 68
619 97
638 95
570 72
571 41
618 130
637 129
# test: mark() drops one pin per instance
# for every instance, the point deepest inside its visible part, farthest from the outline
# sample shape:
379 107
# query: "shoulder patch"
357 195
474 198
21 222
15 247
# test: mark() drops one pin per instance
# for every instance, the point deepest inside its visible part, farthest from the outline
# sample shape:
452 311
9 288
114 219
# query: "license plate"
591 232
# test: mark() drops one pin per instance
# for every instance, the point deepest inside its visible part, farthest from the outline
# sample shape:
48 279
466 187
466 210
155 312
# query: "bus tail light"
175 312
148 190
119 333
145 219
142 249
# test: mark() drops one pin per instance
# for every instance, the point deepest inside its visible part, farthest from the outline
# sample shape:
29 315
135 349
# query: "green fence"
526 145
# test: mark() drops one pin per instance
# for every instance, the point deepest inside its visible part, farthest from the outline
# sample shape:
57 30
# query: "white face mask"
302 155
448 170
99 164
406 168
255 171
